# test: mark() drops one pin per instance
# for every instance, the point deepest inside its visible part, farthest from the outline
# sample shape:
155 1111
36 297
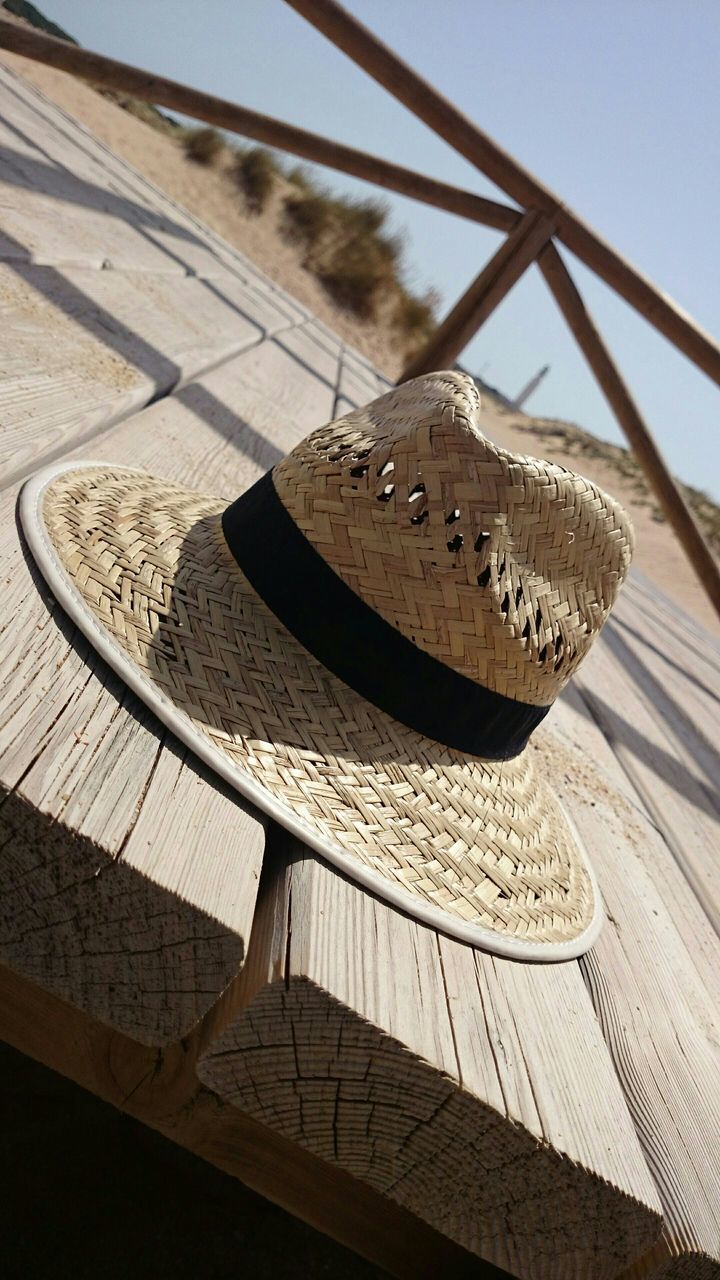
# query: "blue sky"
615 105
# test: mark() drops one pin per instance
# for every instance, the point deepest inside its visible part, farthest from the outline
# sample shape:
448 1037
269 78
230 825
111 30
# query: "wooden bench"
175 952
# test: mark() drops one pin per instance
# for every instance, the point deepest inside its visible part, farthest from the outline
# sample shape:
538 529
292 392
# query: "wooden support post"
678 514
442 1077
160 1088
485 293
465 137
112 74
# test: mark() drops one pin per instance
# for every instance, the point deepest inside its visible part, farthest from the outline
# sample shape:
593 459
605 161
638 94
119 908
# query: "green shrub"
256 173
203 145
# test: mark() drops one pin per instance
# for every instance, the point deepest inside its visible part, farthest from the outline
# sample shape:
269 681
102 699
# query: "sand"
211 195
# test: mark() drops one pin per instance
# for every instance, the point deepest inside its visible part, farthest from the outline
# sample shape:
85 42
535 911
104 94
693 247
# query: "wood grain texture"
159 1087
66 202
654 977
105 900
91 347
47 155
444 1078
671 758
477 1093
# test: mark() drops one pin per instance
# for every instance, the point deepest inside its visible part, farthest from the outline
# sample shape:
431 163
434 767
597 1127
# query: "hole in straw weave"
419 519
538 620
415 492
453 516
455 543
505 606
359 472
384 471
386 494
542 654
484 577
518 597
526 630
481 540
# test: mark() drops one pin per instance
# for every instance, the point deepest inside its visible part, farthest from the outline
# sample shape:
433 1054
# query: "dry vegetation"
344 242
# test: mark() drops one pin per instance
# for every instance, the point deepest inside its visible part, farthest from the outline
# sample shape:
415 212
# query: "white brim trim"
30 508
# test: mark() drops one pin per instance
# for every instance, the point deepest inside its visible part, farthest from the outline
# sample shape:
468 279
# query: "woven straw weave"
483 841
501 566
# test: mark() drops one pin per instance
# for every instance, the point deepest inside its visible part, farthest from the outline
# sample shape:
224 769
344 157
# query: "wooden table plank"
65 724
46 150
654 976
66 202
672 764
684 664
90 347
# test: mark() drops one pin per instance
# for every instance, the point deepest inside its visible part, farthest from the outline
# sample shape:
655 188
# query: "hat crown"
504 567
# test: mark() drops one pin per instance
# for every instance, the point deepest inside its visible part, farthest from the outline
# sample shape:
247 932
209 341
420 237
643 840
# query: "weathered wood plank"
90 347
65 725
160 1088
670 641
654 976
66 203
673 765
359 382
313 351
62 157
476 1092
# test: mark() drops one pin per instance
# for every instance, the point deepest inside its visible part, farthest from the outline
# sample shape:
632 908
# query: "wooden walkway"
168 948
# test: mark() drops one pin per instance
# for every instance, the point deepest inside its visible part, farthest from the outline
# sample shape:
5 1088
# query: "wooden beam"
420 97
419 1065
674 506
486 292
160 1088
112 74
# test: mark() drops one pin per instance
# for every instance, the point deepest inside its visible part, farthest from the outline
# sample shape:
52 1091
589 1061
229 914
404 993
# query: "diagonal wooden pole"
612 384
486 292
419 96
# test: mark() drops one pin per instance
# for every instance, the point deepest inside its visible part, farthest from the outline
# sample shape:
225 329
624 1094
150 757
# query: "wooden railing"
532 230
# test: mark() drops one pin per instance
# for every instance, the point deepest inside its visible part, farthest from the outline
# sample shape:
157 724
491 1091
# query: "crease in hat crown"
504 567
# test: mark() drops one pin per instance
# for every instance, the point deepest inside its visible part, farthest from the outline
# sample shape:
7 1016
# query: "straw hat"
362 645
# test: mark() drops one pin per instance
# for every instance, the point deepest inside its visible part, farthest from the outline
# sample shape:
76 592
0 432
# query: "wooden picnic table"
175 952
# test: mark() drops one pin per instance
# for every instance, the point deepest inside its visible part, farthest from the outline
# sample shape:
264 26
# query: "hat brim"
481 850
